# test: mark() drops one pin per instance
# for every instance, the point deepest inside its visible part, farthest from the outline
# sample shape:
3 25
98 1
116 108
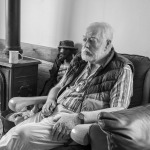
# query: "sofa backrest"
141 80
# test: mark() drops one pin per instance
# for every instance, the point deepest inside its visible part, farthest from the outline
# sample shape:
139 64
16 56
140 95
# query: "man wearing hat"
66 52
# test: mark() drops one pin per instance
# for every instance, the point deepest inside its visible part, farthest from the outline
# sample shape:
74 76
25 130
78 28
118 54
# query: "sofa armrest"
98 139
85 134
18 103
80 134
146 89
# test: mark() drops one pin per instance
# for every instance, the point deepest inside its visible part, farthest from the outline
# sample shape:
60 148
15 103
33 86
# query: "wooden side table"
20 79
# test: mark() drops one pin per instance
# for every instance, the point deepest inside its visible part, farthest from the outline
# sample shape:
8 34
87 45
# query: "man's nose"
86 43
62 50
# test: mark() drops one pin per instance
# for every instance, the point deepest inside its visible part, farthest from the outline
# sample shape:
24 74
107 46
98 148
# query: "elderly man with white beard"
98 79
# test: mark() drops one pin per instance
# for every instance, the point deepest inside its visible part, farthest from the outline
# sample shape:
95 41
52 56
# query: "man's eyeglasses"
91 40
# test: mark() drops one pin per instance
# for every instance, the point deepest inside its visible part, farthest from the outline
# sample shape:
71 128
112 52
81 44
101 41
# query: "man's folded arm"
120 96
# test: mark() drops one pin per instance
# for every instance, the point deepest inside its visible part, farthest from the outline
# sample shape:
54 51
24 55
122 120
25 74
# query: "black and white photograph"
74 74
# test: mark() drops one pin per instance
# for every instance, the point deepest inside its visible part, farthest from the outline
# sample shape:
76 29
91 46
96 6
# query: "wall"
2 19
131 23
46 22
129 18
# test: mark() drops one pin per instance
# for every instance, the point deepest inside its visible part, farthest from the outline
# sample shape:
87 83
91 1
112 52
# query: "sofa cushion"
141 67
128 129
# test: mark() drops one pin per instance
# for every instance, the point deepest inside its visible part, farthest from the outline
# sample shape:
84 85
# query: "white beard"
87 55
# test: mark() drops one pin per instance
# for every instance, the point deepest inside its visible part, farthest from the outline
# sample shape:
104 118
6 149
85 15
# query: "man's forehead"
93 32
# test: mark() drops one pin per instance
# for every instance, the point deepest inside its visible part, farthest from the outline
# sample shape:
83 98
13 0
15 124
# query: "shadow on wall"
78 46
2 45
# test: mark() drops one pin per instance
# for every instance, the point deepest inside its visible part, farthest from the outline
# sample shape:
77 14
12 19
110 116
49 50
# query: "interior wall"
2 19
46 22
129 18
131 22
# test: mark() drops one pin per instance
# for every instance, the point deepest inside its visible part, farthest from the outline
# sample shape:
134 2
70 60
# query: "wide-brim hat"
66 44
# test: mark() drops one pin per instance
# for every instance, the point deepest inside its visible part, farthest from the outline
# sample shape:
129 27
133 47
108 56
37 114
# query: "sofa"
141 94
128 129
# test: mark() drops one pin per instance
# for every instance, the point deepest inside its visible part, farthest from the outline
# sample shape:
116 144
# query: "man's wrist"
98 116
81 118
51 99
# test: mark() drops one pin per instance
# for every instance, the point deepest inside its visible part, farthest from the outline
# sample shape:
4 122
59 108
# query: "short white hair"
106 29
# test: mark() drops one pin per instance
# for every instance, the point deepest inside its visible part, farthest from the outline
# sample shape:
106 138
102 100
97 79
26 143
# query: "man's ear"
108 42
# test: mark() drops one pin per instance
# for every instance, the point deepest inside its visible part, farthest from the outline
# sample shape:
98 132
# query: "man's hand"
65 122
24 115
69 120
60 132
29 113
20 116
48 107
